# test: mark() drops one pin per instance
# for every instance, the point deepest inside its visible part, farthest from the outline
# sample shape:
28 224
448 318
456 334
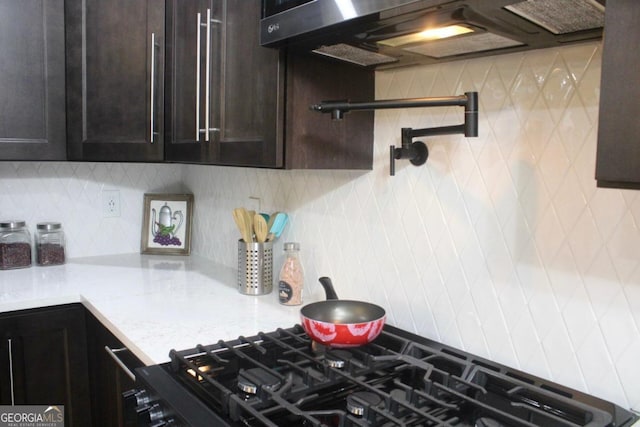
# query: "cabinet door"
226 91
44 362
252 92
115 75
618 155
314 140
108 380
32 97
193 77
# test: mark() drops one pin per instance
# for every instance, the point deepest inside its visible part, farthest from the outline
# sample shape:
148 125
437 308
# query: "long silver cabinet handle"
153 74
219 23
112 353
13 397
207 100
198 78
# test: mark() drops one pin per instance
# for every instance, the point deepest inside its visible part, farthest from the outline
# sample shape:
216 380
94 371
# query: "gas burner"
279 378
254 379
337 358
359 400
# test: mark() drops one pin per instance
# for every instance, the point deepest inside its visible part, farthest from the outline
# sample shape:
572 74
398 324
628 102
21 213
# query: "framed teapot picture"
166 224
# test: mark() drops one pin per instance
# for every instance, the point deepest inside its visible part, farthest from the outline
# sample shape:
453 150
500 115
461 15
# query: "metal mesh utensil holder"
255 268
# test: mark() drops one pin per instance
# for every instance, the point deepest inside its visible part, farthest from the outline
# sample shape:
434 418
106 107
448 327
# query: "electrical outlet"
110 203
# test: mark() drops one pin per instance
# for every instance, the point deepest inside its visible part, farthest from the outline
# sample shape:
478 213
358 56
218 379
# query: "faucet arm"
410 133
338 108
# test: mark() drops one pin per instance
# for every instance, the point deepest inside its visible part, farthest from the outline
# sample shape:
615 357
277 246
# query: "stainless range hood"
396 33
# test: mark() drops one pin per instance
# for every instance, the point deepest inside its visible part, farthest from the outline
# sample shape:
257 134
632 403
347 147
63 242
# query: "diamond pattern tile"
71 193
501 245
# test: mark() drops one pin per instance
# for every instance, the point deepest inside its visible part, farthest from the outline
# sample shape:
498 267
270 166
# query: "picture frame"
166 224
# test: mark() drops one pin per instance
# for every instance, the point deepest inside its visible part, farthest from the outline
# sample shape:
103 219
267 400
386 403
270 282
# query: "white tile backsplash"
501 245
71 193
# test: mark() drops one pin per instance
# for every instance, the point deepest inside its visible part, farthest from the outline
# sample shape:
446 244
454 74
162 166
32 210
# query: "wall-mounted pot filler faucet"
416 152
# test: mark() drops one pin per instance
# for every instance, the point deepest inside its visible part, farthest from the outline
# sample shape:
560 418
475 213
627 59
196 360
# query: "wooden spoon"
248 218
239 218
260 228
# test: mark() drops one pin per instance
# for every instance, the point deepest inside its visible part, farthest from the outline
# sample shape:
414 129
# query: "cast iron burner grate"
280 378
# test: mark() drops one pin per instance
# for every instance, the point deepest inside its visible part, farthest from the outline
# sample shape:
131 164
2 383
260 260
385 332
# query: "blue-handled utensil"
278 225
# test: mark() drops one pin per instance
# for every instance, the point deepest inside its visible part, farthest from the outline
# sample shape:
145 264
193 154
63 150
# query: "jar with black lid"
15 245
49 243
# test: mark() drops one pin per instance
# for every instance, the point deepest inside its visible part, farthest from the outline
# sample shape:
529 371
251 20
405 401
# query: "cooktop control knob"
136 398
149 414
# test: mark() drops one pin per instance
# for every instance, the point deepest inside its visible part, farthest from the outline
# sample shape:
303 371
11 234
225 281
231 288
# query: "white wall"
500 245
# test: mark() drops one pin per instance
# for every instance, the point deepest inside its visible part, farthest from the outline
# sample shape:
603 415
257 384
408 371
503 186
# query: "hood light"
427 35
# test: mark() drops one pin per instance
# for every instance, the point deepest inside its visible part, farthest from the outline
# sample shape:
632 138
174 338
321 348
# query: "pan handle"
328 288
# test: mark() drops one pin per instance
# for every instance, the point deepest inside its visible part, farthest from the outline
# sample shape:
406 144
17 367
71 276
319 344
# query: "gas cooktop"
282 378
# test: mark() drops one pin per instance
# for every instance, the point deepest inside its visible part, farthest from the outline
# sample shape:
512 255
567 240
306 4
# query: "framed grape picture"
166 224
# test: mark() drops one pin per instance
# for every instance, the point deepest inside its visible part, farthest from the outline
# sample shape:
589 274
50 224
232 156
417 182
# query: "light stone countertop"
151 303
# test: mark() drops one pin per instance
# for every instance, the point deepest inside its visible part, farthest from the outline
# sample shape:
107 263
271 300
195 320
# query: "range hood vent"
561 17
477 42
387 33
355 55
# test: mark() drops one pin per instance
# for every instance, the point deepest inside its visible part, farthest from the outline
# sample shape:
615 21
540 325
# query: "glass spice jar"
15 245
291 276
49 243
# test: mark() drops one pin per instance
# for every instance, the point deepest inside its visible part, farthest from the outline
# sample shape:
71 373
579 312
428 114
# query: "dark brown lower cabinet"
43 359
108 380
57 356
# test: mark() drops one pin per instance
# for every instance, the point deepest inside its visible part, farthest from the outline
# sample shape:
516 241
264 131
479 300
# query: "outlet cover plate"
110 203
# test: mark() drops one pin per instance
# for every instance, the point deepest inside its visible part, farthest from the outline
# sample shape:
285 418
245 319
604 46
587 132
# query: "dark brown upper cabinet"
232 102
187 81
618 154
32 86
224 91
115 79
315 141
